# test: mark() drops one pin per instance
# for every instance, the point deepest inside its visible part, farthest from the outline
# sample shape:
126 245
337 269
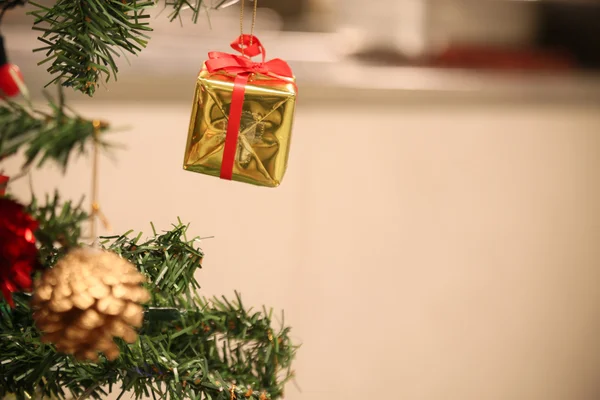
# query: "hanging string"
243 5
96 212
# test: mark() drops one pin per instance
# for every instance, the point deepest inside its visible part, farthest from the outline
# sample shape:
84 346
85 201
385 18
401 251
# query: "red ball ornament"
11 79
18 252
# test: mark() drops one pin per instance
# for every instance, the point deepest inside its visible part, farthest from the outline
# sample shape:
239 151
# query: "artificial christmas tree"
119 313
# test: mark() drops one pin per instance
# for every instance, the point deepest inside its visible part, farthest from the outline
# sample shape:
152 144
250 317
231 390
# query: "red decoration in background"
18 252
503 59
3 184
11 80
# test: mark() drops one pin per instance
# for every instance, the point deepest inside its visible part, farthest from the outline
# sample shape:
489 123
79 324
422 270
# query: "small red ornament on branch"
11 78
18 252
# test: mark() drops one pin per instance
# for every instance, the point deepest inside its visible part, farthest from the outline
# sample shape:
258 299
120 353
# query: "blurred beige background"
427 242
421 250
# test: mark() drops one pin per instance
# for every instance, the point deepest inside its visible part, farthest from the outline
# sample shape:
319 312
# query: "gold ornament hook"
242 6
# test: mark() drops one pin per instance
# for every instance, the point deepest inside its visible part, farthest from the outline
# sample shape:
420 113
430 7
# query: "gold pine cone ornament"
90 297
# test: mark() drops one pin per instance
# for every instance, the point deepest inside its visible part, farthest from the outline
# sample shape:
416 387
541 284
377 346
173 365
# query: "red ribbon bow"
249 46
242 66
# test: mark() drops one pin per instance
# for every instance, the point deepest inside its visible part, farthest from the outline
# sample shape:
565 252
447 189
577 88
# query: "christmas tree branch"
179 6
168 259
59 226
45 136
83 37
210 350
189 347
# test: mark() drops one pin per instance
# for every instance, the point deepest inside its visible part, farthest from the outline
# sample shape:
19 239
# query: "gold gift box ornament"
241 121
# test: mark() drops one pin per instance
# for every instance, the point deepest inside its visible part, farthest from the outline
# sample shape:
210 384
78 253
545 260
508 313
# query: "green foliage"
179 6
45 136
17 124
169 257
82 37
59 226
189 347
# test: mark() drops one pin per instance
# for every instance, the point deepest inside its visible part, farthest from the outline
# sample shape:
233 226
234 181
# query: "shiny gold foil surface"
265 128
